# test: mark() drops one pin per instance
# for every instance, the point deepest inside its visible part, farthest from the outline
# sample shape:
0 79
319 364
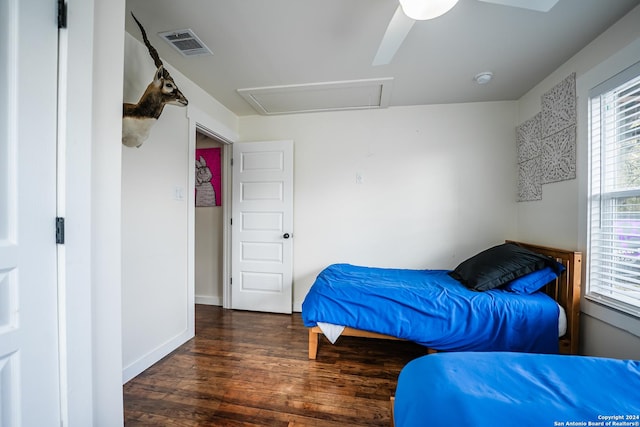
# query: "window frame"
598 197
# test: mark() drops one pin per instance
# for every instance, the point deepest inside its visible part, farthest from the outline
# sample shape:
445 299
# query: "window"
614 192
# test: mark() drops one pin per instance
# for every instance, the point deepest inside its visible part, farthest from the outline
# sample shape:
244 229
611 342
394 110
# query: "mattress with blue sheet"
517 389
432 308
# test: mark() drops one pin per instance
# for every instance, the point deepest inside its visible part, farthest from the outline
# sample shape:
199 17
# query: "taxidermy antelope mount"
137 119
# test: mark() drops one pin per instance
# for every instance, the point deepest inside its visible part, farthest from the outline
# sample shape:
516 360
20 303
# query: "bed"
348 300
493 389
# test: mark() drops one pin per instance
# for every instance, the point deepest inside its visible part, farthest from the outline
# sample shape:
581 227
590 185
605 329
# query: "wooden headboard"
565 290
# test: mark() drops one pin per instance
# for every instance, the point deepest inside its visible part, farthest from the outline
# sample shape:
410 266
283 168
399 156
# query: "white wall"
438 184
157 284
559 219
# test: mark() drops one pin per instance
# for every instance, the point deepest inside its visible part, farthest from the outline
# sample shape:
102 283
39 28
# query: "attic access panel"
537 5
316 97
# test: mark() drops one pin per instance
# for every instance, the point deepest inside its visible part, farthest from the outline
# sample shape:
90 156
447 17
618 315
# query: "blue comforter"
517 389
433 309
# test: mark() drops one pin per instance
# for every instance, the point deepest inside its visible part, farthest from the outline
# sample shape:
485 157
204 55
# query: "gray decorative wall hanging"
529 182
547 142
528 136
558 156
559 107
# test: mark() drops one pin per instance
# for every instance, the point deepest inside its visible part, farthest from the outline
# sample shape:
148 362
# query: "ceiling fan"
410 11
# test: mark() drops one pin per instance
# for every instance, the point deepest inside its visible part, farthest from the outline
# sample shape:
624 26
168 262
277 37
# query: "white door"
262 227
29 371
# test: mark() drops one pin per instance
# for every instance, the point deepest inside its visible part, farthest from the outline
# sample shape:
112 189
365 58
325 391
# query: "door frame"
201 122
90 272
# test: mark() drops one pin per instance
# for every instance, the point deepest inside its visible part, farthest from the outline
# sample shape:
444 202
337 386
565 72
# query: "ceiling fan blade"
397 30
538 5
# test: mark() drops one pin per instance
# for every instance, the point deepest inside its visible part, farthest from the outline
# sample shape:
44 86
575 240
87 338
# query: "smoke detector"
483 78
186 42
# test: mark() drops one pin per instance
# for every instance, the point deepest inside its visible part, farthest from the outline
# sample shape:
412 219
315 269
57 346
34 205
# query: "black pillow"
499 265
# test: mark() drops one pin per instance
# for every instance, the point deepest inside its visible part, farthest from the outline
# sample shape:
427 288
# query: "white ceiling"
266 43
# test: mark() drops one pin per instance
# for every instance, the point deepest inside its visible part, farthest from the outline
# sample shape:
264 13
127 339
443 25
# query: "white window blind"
614 192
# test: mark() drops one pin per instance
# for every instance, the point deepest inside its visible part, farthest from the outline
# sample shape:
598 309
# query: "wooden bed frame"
565 290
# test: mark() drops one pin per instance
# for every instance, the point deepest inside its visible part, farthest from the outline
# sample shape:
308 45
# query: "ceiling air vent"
186 42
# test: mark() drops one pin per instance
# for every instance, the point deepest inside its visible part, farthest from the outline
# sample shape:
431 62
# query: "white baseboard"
208 300
148 360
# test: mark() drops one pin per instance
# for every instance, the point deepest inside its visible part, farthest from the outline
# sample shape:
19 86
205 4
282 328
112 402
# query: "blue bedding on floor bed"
517 389
431 308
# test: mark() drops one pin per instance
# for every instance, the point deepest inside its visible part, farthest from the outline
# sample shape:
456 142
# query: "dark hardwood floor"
251 369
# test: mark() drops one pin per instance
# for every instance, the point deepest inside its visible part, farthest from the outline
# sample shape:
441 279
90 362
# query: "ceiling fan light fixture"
421 10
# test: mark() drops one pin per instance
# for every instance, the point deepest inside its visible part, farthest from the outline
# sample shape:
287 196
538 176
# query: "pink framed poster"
208 177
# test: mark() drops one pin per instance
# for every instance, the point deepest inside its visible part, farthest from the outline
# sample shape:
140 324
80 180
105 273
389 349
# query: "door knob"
286 235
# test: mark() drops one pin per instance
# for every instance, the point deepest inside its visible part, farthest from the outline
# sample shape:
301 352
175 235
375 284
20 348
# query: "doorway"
209 220
209 267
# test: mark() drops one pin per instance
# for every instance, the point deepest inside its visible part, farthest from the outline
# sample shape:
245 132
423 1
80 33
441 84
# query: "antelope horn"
152 50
